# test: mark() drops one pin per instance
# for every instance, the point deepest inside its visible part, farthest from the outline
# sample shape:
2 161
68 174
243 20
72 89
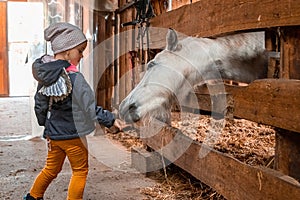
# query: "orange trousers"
77 153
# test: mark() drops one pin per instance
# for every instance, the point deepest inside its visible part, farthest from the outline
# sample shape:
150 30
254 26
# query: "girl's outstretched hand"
120 124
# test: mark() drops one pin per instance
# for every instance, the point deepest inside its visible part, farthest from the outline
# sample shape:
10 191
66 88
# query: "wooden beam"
287 153
230 177
272 102
290 52
4 79
211 18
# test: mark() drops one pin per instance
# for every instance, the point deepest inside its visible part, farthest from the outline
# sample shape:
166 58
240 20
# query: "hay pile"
247 141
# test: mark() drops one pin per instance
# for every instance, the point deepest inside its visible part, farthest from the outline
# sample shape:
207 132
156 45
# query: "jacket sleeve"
86 99
105 117
41 106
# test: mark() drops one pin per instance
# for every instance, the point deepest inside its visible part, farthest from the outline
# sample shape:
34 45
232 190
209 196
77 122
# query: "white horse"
190 61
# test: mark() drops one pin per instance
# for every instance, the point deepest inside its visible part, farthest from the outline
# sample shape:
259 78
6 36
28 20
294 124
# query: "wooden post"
128 42
272 45
287 153
4 79
99 57
109 54
116 99
122 57
290 52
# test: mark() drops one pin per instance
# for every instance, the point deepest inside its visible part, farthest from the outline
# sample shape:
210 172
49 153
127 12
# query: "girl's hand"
120 124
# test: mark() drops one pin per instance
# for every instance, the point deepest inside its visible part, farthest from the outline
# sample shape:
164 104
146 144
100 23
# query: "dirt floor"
110 177
22 160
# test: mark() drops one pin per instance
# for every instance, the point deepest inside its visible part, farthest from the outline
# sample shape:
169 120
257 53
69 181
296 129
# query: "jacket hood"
46 70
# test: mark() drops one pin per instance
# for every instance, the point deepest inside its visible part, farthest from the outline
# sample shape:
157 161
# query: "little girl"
65 106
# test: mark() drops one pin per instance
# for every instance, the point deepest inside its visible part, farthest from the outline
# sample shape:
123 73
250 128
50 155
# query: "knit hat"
63 36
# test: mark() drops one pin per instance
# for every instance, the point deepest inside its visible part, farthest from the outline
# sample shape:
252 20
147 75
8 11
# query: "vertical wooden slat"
127 66
272 46
159 6
99 57
287 153
290 52
109 62
116 99
4 87
287 149
122 58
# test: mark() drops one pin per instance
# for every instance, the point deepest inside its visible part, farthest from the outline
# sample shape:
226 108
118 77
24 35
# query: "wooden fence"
270 101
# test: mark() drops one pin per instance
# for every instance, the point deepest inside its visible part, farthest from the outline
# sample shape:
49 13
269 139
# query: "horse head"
164 77
183 63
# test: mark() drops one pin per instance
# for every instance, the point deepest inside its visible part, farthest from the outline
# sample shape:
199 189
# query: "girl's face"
74 55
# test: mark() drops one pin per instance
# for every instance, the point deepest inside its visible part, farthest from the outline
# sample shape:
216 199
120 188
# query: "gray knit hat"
63 36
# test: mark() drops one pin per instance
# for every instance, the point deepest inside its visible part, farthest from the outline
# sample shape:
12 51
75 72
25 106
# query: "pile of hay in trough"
246 141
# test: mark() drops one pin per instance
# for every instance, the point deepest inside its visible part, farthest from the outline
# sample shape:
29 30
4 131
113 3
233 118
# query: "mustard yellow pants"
77 153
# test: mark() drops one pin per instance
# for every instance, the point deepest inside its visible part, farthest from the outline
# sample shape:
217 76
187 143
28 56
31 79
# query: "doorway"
25 25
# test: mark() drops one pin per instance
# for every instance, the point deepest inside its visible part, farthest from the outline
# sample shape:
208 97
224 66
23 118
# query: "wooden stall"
273 101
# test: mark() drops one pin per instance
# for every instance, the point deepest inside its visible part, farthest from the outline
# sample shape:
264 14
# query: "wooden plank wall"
213 18
201 18
132 52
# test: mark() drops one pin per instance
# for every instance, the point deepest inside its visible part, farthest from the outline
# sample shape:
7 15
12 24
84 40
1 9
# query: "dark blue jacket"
74 116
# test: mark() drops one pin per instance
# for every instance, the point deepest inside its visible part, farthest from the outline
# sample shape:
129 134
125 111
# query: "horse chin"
130 117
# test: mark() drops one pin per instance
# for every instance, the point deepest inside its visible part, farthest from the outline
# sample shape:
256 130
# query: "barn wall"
103 57
196 18
132 52
124 73
281 22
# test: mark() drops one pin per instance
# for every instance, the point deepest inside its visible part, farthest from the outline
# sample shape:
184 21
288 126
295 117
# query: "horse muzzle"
128 112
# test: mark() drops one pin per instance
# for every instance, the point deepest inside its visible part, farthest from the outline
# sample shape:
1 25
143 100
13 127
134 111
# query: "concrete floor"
15 116
18 122
111 174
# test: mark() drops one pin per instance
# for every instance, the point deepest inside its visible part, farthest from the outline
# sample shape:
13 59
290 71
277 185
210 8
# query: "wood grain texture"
230 177
207 18
272 102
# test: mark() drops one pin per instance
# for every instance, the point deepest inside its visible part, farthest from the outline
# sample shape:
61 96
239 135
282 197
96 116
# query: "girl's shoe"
28 197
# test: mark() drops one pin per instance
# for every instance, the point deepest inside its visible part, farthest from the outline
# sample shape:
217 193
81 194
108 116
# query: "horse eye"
150 64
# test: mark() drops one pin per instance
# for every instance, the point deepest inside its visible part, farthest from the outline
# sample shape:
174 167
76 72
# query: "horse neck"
237 57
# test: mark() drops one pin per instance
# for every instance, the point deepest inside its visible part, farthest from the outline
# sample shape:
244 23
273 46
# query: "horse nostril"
132 107
133 116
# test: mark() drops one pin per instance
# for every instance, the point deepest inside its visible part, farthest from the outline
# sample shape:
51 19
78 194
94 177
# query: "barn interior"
256 155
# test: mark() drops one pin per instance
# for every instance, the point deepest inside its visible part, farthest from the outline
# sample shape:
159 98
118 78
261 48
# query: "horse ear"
172 40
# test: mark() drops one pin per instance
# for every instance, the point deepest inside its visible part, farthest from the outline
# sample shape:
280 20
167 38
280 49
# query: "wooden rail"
208 18
230 177
272 102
